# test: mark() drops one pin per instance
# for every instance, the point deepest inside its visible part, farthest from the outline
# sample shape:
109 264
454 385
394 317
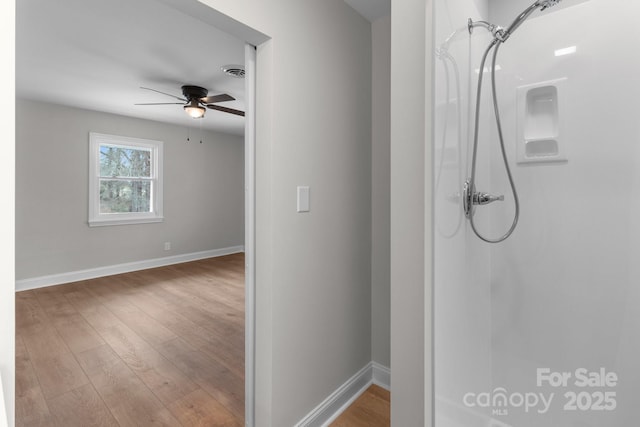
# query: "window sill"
124 221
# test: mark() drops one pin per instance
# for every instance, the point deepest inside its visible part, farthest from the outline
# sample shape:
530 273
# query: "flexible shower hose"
495 44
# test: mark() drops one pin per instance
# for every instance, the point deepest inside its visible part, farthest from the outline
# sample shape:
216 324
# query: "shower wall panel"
462 273
544 328
564 293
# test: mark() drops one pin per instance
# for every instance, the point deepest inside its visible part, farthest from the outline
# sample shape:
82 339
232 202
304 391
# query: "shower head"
548 3
539 4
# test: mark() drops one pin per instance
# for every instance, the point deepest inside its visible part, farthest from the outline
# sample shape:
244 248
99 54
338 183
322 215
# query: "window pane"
120 196
125 161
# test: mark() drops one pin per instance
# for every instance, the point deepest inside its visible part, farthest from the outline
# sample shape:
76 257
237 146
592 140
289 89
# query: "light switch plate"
303 199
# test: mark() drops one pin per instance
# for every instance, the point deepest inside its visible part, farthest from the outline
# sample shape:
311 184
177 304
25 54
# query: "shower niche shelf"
539 123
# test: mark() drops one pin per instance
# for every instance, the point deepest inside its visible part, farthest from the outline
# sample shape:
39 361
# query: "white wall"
203 192
313 272
7 214
380 191
411 213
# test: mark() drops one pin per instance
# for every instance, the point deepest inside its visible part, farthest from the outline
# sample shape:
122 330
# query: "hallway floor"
372 409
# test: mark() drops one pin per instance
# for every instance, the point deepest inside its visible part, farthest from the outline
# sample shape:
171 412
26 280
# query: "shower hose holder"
470 198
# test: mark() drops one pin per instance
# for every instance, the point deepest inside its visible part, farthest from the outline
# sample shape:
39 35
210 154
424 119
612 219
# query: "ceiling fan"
195 101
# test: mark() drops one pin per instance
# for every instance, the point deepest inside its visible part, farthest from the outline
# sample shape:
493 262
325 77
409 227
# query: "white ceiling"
371 9
96 54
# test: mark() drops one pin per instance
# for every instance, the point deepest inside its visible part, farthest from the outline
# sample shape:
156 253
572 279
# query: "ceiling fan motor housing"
191 92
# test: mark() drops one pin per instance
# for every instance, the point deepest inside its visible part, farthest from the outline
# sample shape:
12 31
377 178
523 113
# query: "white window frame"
96 218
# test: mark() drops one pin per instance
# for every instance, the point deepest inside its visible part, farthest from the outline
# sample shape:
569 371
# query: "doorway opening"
211 17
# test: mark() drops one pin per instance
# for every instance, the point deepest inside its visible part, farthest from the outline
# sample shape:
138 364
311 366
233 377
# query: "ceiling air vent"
234 71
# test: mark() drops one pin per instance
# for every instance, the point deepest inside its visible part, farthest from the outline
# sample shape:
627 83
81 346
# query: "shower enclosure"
543 328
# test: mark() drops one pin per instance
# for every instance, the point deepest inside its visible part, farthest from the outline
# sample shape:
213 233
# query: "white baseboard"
381 376
334 405
92 273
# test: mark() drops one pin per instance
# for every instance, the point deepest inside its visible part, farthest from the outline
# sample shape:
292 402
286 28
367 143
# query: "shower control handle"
471 198
486 198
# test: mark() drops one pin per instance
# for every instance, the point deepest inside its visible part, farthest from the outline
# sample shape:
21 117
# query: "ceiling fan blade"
164 93
217 98
226 110
161 103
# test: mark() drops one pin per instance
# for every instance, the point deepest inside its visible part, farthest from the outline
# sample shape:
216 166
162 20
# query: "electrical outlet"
167 246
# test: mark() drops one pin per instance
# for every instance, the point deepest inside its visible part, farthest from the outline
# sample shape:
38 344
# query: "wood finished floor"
160 347
371 409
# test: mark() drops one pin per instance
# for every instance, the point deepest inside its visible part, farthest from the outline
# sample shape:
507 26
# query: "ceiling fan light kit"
194 109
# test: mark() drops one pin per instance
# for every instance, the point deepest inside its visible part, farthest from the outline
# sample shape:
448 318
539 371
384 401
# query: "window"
125 180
